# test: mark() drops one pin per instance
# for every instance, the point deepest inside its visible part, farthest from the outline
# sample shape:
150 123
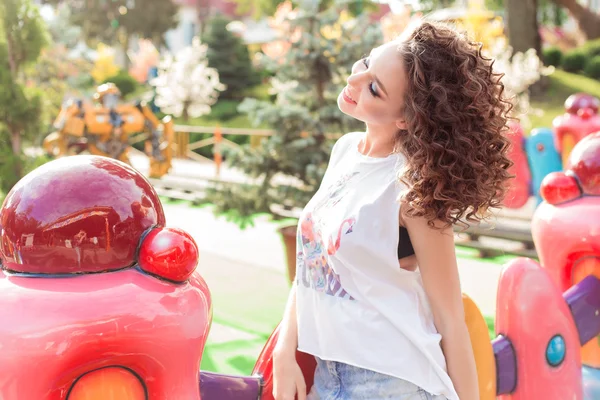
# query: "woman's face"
375 90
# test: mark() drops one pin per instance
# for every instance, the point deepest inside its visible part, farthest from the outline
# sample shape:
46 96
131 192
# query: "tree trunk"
11 57
203 10
588 20
15 138
522 25
125 44
185 115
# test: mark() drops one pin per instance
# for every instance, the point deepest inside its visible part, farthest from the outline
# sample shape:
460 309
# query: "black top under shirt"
405 247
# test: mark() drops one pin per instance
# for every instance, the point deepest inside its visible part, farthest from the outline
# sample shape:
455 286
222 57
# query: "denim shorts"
338 381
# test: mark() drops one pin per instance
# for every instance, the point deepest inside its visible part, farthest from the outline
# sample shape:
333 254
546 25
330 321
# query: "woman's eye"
371 85
373 90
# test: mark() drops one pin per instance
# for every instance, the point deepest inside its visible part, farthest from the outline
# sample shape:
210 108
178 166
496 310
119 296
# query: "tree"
588 20
287 167
62 29
186 86
260 8
22 37
522 25
229 55
115 21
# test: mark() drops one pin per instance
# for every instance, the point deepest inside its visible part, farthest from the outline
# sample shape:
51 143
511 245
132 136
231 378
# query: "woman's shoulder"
350 137
344 143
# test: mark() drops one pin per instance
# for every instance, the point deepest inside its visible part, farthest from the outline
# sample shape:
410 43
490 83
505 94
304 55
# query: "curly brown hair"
456 115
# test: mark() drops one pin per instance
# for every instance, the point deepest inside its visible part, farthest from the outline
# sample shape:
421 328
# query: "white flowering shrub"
521 71
186 86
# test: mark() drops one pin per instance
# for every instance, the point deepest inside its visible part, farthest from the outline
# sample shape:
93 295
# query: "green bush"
574 60
591 48
552 56
229 55
224 110
125 82
592 67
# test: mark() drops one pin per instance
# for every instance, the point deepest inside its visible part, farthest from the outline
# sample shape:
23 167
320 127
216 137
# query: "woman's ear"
401 124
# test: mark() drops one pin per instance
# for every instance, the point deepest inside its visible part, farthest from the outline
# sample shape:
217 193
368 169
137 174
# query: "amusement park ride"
547 150
101 300
104 129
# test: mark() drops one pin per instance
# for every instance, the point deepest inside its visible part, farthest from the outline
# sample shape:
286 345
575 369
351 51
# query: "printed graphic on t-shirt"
313 269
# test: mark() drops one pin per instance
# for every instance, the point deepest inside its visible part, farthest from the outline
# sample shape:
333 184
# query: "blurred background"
251 87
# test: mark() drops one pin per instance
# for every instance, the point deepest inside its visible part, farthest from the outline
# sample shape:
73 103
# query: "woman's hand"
288 379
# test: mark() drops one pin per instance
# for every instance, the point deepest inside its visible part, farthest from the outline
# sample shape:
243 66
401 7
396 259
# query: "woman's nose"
355 78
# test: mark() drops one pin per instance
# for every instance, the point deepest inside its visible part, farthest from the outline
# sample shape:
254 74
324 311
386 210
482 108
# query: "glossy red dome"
577 101
75 215
584 162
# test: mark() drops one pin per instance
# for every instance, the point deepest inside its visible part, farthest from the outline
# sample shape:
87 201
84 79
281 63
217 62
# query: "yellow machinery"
105 128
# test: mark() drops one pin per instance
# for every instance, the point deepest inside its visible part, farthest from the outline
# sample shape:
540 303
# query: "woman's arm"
288 380
434 249
287 340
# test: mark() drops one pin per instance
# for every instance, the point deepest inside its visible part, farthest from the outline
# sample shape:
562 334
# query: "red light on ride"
557 188
168 253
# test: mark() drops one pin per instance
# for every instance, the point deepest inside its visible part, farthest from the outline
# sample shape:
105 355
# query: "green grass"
489 320
561 85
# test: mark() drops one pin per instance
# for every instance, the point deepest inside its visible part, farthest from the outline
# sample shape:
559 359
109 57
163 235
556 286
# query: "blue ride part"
543 158
556 351
591 383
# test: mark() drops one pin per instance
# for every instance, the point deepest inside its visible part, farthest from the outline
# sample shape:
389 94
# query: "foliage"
23 31
186 86
592 67
124 82
287 168
22 37
574 60
8 160
552 56
551 13
104 66
20 109
61 29
228 54
561 85
56 74
224 110
114 21
261 8
591 48
48 74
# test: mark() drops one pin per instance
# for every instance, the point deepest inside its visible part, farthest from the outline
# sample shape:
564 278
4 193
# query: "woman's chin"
344 107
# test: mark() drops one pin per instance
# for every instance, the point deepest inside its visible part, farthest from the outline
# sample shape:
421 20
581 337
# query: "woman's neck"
376 143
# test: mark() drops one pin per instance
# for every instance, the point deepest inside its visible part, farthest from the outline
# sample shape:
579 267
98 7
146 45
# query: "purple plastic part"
506 365
584 301
229 387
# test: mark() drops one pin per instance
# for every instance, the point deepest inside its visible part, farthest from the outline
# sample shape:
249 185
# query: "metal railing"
183 148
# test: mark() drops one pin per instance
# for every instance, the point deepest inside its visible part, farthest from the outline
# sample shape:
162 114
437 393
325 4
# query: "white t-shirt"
355 305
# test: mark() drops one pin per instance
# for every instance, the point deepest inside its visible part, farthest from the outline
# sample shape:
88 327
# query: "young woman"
377 298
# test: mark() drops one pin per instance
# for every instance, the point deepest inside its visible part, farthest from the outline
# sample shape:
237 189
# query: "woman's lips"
347 97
